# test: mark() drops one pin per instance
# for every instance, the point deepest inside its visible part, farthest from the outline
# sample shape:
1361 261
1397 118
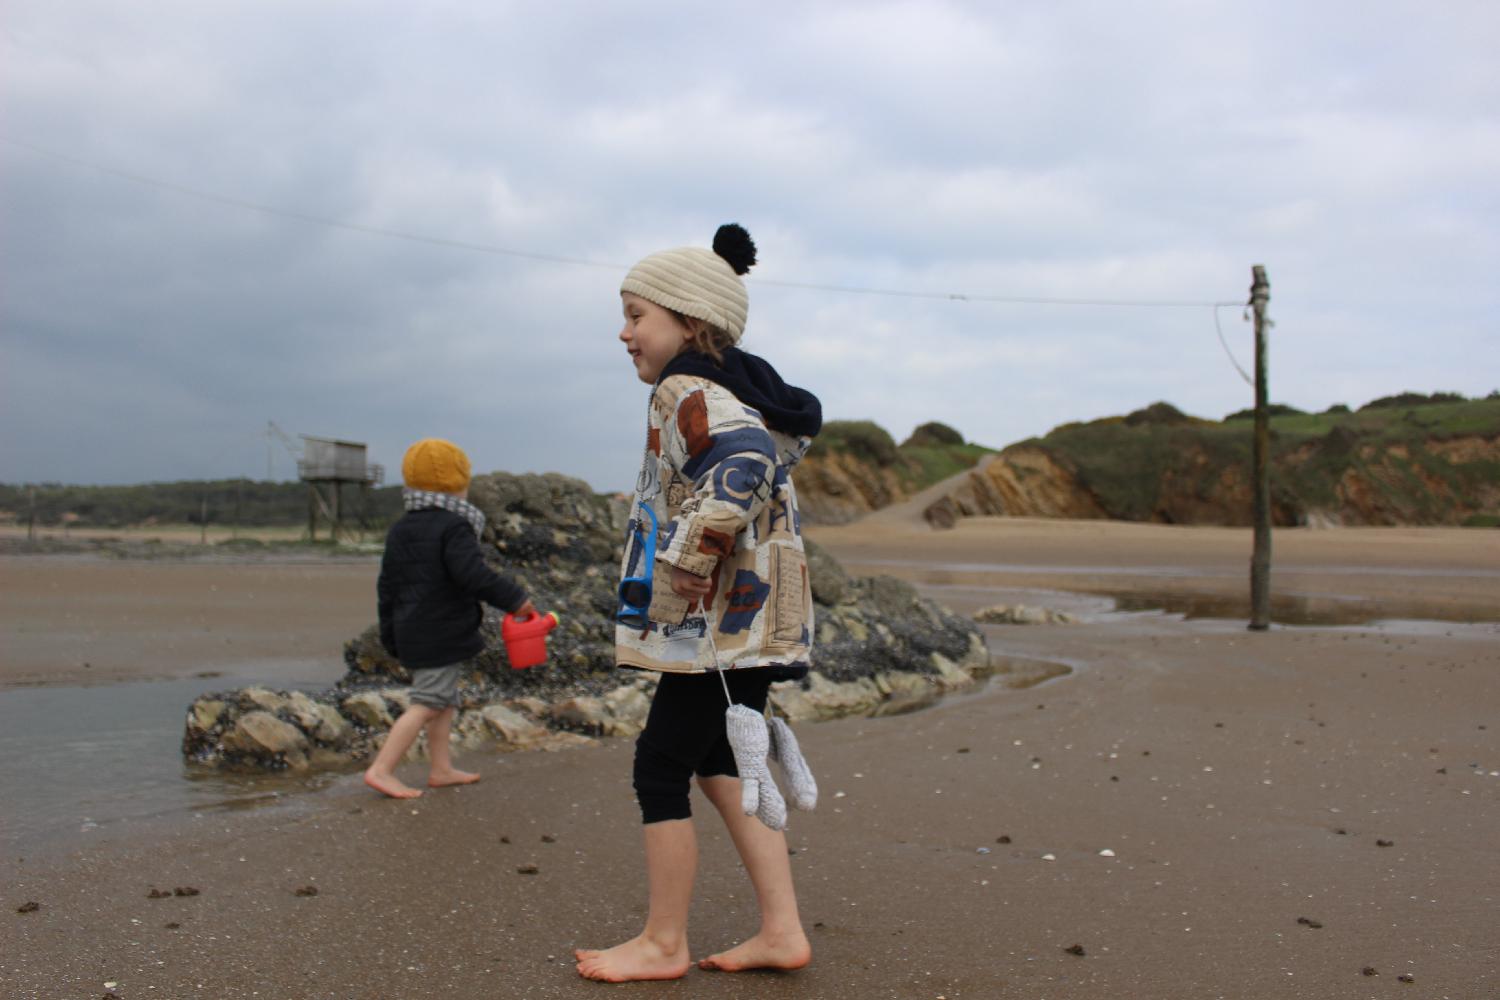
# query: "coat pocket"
790 598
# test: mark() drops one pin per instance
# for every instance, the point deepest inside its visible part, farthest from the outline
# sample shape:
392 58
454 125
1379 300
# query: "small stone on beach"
1076 949
1368 970
30 906
184 890
1385 843
527 870
1308 922
306 890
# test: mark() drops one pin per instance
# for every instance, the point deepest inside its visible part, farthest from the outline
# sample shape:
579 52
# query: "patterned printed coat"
719 483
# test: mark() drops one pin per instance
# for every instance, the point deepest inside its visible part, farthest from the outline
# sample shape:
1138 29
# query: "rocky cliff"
1435 464
880 648
835 488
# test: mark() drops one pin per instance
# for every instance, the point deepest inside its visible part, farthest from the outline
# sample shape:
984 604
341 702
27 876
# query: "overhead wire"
454 244
319 220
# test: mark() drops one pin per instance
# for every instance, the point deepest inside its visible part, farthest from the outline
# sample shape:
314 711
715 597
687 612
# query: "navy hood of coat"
785 408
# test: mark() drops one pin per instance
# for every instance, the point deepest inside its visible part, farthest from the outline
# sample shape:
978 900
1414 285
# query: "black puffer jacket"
432 579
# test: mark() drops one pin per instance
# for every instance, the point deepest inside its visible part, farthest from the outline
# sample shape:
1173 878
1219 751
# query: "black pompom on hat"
736 247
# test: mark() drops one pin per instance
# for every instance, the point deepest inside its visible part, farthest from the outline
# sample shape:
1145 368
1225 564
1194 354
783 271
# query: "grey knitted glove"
801 788
751 742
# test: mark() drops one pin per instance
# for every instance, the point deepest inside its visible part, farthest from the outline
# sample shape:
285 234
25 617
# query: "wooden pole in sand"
1260 559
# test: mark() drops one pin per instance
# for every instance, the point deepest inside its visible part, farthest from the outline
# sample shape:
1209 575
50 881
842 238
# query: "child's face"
652 335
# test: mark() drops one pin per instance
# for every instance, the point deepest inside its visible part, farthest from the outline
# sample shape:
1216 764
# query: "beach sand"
1284 810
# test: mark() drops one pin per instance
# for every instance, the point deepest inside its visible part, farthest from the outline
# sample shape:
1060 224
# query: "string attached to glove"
754 743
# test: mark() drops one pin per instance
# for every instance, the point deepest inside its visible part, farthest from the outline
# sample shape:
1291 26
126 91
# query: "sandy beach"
1195 811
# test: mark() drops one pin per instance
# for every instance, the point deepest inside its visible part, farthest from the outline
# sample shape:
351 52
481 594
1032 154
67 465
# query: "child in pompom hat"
432 578
714 591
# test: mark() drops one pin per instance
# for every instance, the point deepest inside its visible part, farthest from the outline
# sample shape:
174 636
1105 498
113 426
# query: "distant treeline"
240 502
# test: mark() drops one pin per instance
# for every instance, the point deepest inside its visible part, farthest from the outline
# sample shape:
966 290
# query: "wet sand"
82 619
1284 810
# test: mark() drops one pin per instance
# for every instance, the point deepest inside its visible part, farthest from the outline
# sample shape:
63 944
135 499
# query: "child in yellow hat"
432 580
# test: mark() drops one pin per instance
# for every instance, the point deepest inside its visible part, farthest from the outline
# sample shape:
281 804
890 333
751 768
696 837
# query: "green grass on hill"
933 452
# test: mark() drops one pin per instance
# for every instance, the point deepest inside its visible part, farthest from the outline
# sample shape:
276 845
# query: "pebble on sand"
306 890
30 906
527 870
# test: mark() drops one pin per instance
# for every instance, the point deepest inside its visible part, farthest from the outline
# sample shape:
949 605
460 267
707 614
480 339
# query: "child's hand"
527 610
685 584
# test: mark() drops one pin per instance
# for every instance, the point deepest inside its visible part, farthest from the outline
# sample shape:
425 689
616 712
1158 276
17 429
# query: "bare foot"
389 784
787 952
452 776
638 958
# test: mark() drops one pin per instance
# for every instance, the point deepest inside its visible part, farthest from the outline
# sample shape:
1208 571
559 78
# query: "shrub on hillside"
1159 413
931 435
1274 410
1413 399
861 438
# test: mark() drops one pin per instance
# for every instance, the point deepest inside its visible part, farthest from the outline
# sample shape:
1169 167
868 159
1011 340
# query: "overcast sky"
1068 150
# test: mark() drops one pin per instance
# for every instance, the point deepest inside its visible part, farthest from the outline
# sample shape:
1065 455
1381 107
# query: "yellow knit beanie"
436 465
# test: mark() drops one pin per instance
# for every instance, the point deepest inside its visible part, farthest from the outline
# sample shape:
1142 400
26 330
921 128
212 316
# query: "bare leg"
660 951
440 753
780 943
381 775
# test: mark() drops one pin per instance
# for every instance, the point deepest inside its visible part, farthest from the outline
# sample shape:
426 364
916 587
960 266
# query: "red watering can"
526 638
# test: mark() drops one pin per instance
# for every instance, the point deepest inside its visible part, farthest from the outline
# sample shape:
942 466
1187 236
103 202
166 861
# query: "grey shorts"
437 687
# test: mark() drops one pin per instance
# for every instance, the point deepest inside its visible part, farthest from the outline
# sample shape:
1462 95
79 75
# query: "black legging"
684 735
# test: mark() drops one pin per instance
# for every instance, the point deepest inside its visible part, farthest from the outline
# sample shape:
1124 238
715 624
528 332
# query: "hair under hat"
436 465
698 282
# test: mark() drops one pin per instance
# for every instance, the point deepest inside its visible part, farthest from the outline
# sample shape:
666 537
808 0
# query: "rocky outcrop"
1021 481
880 647
838 487
1022 614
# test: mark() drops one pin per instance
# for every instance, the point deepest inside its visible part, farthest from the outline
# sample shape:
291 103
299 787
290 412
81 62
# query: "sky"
385 221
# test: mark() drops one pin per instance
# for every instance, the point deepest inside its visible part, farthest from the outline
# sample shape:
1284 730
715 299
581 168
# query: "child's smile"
652 335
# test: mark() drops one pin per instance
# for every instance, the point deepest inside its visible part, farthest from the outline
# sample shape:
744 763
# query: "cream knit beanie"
701 283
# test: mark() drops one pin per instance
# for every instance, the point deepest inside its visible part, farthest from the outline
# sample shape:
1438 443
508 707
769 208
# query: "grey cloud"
1072 151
